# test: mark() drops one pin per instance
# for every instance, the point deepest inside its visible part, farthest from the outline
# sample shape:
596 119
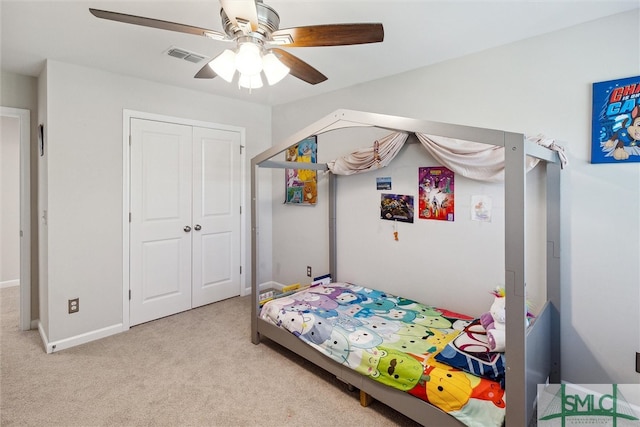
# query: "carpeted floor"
197 368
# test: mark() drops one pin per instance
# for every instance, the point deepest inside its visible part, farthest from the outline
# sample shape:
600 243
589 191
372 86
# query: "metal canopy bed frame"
533 352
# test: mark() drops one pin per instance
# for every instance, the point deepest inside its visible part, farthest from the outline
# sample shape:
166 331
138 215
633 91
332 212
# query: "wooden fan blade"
244 11
156 23
331 35
299 68
205 72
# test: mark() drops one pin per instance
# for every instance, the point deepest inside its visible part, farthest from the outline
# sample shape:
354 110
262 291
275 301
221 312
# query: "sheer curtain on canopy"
473 160
379 155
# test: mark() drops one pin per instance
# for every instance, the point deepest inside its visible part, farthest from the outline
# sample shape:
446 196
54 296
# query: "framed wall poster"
383 183
481 208
301 184
615 126
396 207
436 193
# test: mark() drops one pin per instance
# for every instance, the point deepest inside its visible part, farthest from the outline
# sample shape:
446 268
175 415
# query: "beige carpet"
197 368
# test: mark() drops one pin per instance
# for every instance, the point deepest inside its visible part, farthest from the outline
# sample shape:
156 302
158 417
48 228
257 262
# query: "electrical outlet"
74 305
308 270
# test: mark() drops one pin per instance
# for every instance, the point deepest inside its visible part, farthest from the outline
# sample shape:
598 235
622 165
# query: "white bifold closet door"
185 218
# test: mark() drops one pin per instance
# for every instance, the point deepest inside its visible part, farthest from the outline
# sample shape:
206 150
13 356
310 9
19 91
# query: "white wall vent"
184 54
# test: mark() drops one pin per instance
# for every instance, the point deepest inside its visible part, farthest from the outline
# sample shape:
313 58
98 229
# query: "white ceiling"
417 33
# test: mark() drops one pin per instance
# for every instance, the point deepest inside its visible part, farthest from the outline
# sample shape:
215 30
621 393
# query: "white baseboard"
53 346
265 285
270 284
9 283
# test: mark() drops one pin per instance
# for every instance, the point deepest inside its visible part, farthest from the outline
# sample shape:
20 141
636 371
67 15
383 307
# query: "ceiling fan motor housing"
268 22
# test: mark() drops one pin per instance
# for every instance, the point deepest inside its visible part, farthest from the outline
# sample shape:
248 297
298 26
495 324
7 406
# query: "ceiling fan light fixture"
224 65
250 81
248 60
253 26
273 68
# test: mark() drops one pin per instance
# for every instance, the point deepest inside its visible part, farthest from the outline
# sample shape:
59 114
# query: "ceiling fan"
254 27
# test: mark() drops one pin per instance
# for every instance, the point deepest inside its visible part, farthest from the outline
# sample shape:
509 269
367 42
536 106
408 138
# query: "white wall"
9 201
84 126
539 85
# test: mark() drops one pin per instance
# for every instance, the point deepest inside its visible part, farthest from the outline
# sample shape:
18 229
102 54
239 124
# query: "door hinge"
240 269
129 294
240 209
241 147
129 216
129 140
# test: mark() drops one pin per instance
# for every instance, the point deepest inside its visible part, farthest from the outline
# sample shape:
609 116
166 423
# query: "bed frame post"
255 336
333 186
515 225
554 276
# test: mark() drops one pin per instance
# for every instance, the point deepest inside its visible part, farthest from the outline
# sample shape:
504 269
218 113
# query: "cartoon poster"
301 184
396 207
436 193
616 121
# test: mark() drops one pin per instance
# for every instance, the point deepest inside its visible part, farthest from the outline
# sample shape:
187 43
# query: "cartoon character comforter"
437 355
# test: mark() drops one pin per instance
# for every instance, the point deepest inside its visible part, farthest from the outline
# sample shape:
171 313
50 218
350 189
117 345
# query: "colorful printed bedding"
396 341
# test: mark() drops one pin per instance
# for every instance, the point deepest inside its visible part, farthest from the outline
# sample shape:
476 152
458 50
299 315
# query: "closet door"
216 215
160 229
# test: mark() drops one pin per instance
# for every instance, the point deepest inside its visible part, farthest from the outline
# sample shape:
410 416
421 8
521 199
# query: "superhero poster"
396 207
301 184
435 193
616 121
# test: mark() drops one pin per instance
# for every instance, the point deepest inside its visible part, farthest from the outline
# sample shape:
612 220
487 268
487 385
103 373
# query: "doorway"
183 219
15 146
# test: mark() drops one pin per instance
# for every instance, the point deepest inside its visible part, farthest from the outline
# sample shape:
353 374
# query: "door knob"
197 227
187 228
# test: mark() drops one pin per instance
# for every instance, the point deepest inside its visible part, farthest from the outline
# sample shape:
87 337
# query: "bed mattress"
437 355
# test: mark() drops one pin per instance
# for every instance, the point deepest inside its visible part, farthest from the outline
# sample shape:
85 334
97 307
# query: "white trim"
9 283
243 217
53 346
126 184
267 285
270 284
24 116
127 115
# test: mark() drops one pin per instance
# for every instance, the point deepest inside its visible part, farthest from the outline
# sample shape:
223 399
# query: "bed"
533 350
